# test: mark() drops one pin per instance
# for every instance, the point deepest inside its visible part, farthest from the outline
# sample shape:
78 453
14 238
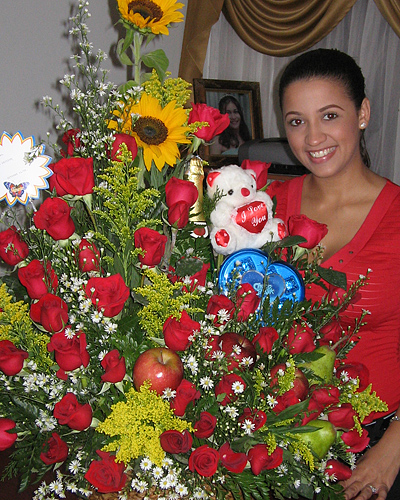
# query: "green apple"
323 366
320 437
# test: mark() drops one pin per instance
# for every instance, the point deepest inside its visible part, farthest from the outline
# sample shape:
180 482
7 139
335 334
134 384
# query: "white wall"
35 52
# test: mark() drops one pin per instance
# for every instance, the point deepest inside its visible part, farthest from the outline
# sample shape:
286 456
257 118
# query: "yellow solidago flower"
157 130
154 15
137 425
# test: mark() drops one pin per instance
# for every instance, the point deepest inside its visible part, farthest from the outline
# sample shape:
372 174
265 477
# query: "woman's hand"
377 469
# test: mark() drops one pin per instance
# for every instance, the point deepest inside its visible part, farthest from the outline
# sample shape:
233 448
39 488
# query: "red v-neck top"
375 246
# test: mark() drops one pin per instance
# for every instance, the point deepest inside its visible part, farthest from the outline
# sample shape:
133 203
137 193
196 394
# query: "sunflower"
154 15
157 130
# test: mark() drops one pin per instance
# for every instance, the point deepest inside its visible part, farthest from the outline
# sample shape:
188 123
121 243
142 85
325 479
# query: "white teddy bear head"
237 185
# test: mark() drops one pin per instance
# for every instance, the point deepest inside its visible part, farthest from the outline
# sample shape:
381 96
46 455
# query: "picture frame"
243 95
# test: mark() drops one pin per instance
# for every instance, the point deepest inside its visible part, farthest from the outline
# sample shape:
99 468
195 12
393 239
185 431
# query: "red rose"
204 427
177 333
221 303
257 417
71 140
11 358
354 441
342 416
129 142
300 338
247 301
36 280
337 469
313 411
260 168
69 353
234 462
197 279
331 333
12 248
108 294
186 392
114 366
106 474
177 190
153 243
326 396
312 231
88 257
226 385
354 370
180 196
54 217
51 312
204 460
265 338
216 121
176 442
72 176
57 450
7 439
69 412
289 398
260 458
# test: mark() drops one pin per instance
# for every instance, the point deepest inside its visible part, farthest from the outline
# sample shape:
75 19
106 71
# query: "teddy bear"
242 217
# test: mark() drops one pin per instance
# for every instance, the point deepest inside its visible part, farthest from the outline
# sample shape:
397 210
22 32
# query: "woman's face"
323 125
234 115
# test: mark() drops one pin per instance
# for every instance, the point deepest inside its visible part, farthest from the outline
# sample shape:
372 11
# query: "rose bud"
342 416
108 294
37 280
7 439
13 249
234 462
54 217
217 122
177 190
51 312
152 243
69 353
260 459
177 333
114 366
186 393
73 414
129 142
88 257
312 231
247 301
326 396
260 168
71 138
106 475
57 450
204 460
354 441
204 427
221 307
11 358
176 442
337 469
265 338
72 176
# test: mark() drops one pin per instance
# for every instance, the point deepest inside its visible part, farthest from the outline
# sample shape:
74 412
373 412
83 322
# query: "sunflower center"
150 130
146 8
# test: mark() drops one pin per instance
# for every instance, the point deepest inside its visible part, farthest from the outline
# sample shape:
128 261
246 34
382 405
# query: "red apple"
162 366
228 341
300 382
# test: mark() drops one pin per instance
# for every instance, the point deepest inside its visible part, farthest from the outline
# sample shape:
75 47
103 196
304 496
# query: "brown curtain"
390 10
200 16
273 27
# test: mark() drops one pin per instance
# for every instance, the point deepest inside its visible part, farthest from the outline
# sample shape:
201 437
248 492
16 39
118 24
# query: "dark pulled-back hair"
228 138
334 65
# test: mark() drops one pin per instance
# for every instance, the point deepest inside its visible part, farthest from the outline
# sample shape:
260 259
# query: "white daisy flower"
237 387
248 426
146 464
206 383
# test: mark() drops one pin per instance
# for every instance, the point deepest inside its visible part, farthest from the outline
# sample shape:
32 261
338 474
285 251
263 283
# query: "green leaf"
122 56
127 41
335 278
157 60
188 266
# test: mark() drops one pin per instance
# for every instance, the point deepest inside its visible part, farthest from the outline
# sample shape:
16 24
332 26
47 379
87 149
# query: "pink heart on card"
252 216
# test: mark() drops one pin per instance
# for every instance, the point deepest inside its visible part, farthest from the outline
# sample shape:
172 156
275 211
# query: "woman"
237 133
325 113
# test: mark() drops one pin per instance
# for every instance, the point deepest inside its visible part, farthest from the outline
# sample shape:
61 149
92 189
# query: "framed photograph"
242 101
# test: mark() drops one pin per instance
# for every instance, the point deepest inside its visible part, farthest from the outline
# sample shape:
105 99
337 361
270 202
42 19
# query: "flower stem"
137 44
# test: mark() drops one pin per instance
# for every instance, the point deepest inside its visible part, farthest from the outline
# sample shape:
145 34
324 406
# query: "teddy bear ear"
211 178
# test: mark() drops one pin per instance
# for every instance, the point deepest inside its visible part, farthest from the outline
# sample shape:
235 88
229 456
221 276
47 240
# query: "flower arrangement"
124 366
